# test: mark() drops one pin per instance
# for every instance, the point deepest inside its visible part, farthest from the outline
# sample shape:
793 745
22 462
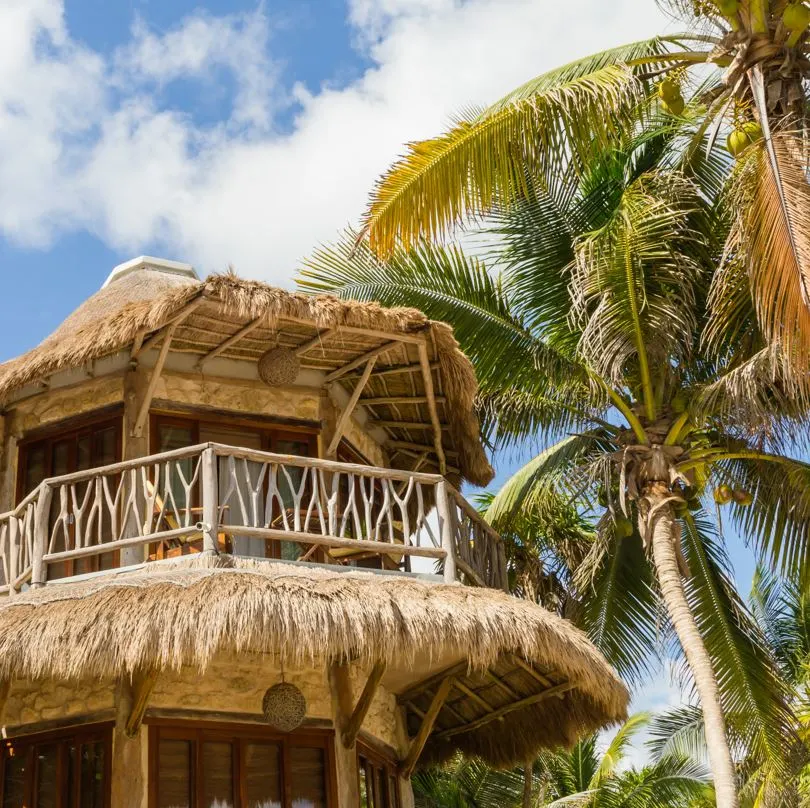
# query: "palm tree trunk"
665 532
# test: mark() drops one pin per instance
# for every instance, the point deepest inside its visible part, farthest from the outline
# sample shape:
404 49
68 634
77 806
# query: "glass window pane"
308 777
84 453
47 786
105 447
217 775
365 801
15 773
174 774
262 766
34 466
91 787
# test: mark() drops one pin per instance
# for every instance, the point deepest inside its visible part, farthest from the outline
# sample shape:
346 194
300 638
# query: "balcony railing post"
41 523
210 501
13 552
446 511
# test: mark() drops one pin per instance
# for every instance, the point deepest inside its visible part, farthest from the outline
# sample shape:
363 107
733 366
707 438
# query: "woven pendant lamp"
278 366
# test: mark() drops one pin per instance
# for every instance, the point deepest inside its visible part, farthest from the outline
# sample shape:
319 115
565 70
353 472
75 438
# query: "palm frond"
772 197
678 731
619 604
621 55
479 163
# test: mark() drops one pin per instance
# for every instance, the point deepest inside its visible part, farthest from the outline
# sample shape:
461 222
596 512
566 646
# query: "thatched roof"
140 303
166 617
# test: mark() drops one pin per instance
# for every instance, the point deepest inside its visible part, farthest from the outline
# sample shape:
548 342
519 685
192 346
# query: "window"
57 770
65 450
220 767
174 432
379 786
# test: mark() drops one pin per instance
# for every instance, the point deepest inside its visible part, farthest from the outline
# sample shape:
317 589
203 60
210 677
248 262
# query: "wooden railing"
214 498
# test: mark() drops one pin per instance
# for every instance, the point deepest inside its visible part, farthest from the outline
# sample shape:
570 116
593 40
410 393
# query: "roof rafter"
231 341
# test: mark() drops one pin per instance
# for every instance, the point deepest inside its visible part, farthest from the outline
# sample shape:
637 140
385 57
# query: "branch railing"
214 498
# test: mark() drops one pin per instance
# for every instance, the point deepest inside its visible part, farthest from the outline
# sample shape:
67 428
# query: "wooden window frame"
86 733
89 423
375 760
237 734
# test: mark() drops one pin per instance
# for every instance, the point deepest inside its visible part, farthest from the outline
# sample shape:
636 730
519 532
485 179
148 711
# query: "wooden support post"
128 773
232 340
14 540
210 502
140 422
142 687
41 536
346 415
418 744
445 507
363 703
171 323
427 377
345 758
5 691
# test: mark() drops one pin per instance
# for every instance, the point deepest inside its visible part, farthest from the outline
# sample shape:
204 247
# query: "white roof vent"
147 262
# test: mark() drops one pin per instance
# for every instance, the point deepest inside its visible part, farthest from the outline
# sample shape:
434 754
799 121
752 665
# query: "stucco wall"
230 685
238 395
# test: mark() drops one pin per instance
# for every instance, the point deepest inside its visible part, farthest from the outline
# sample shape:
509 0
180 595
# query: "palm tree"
740 64
597 333
782 611
582 776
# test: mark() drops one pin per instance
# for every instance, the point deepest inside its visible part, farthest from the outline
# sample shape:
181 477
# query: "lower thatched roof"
183 615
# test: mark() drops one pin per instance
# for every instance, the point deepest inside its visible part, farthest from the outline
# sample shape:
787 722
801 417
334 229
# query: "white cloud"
88 141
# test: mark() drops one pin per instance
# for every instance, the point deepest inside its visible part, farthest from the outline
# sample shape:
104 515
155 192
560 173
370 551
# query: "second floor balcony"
212 498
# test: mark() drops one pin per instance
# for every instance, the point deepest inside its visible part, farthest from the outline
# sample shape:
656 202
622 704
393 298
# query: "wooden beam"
143 413
142 687
373 402
395 370
341 687
318 339
481 702
414 338
546 682
418 744
232 340
343 421
405 425
427 378
406 444
355 363
498 682
174 320
471 573
137 344
363 703
417 690
557 690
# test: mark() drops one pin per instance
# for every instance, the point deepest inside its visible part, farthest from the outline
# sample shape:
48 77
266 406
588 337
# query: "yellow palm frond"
774 231
477 162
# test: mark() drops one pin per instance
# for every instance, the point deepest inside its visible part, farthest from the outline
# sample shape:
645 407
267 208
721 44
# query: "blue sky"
239 132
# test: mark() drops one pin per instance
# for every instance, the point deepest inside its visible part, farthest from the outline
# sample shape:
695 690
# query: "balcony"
213 498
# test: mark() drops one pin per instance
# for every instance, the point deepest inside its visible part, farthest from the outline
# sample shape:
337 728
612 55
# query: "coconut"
753 130
678 403
623 528
723 494
796 17
674 106
738 141
742 497
668 90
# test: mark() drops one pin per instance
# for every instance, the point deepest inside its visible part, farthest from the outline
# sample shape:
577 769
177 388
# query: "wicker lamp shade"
284 707
278 366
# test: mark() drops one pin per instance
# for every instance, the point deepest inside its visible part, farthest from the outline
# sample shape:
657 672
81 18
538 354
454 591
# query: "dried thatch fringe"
110 320
186 614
